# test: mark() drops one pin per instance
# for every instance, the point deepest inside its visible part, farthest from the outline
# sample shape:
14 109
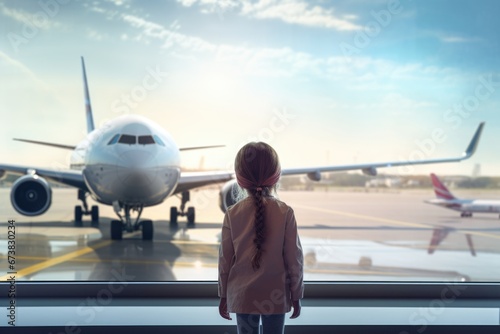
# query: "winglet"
471 149
88 107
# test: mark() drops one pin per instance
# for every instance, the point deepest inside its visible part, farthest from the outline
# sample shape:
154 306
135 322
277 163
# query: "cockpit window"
133 140
158 140
145 140
127 139
114 140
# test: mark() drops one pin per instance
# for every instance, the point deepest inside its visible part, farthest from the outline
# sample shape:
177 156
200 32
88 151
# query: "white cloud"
21 68
169 37
359 73
454 39
39 19
289 11
211 6
451 38
187 3
95 35
299 12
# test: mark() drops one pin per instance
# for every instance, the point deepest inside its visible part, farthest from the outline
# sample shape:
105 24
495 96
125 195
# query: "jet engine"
371 171
228 194
314 176
31 195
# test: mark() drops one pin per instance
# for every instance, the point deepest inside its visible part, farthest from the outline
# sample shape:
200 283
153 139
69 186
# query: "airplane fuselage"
468 205
129 160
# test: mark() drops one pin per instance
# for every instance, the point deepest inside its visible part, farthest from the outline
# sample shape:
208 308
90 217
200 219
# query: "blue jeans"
271 323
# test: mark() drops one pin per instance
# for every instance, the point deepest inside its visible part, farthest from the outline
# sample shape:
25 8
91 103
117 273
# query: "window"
326 83
145 140
158 140
114 140
128 139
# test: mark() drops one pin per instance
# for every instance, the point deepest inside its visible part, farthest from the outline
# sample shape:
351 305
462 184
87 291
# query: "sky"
323 82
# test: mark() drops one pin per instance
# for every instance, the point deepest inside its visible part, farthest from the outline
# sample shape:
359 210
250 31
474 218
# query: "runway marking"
57 260
93 260
392 221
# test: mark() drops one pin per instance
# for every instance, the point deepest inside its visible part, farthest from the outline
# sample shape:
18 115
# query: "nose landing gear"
190 213
125 223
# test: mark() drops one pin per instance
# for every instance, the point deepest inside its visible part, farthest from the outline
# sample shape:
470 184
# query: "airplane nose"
136 178
136 159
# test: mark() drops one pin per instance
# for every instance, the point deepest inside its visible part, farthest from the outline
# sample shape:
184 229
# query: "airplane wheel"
147 230
173 216
78 215
190 216
95 215
116 230
462 214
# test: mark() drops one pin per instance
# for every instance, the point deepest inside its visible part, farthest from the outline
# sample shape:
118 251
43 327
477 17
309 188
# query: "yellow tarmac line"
93 260
55 261
392 221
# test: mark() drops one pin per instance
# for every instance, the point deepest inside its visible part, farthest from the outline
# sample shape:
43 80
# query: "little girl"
260 256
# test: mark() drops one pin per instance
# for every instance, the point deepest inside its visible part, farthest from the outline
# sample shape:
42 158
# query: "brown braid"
257 170
259 228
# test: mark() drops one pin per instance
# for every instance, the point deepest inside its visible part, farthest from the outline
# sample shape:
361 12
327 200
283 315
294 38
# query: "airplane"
466 206
132 163
440 233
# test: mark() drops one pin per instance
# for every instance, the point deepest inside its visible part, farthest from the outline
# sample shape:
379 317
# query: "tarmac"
346 234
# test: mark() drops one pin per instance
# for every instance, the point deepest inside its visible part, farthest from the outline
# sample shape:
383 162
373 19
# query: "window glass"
114 140
127 139
145 140
326 83
158 140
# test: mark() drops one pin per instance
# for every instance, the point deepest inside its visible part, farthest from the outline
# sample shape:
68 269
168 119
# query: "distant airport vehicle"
466 206
132 163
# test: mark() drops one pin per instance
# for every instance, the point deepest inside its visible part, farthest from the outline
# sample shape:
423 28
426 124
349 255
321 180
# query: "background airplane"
132 163
466 206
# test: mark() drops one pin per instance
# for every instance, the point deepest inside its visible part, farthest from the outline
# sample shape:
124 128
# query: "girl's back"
266 290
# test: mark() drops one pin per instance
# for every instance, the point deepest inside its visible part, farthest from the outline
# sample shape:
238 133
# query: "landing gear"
466 214
79 211
147 230
190 213
94 213
173 217
125 223
190 216
116 230
78 215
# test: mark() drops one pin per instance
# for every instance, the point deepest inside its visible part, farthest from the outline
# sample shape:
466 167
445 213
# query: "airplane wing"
67 147
191 180
194 180
72 178
371 168
72 147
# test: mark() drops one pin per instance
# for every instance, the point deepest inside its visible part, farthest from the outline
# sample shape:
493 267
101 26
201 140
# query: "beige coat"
270 289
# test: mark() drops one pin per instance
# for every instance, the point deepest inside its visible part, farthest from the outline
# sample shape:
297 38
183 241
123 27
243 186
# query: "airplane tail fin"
440 189
88 106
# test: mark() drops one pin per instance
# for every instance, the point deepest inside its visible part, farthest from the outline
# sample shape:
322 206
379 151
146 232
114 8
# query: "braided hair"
258 170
